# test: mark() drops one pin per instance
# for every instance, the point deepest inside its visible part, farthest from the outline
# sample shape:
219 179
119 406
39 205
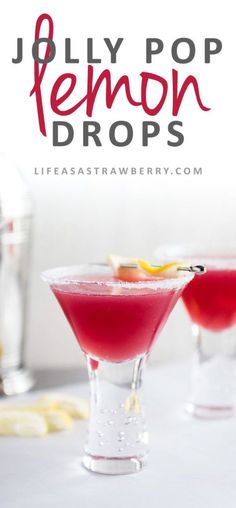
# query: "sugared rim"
213 256
67 275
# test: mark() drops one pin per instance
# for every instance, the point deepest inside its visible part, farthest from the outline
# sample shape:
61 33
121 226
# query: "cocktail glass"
116 324
211 304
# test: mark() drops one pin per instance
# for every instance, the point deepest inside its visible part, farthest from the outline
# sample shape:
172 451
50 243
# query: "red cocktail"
114 322
211 300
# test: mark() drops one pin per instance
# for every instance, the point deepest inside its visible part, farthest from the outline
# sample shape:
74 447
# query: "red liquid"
114 324
211 299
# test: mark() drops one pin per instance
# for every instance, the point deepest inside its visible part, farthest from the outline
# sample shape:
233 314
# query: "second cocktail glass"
116 324
211 304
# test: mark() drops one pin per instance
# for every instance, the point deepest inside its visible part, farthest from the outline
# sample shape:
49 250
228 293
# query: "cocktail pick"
197 269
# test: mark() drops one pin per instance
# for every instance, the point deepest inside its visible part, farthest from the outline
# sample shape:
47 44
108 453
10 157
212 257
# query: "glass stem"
213 373
117 427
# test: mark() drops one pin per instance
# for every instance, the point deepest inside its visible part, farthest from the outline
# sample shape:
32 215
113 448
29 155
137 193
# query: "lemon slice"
74 406
58 420
22 423
169 270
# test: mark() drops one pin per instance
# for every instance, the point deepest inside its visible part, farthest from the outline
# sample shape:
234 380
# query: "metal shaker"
15 222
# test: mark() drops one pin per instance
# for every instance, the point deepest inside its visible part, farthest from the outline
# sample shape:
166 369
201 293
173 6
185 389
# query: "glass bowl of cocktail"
116 311
211 304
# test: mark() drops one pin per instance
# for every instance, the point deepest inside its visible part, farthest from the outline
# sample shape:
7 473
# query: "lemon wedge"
116 261
22 423
123 271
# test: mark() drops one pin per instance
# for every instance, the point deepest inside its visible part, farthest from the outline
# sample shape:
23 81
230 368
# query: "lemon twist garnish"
167 269
135 269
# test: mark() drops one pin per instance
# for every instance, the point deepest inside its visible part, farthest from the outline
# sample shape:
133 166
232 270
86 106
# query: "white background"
85 218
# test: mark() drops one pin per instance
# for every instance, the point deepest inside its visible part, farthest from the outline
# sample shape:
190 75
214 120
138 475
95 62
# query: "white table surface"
192 463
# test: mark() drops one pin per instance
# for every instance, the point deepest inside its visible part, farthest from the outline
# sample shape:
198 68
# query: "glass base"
209 412
114 466
17 381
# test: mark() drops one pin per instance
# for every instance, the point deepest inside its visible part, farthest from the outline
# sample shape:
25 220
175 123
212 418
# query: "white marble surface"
192 463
